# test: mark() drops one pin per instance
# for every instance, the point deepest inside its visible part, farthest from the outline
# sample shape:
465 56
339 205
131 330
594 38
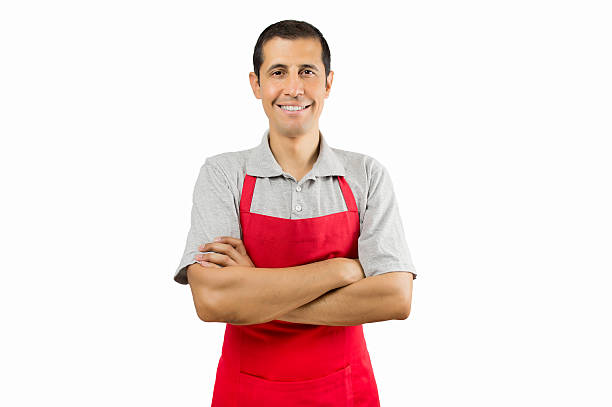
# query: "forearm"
371 299
247 295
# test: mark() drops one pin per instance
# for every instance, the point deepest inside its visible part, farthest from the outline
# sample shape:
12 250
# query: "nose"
294 85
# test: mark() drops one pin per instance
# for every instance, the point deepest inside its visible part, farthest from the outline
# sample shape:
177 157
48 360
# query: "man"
310 244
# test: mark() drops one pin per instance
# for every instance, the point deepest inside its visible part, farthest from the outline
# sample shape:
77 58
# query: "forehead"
292 52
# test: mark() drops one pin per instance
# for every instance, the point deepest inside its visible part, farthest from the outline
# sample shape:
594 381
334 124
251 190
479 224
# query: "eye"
308 70
275 72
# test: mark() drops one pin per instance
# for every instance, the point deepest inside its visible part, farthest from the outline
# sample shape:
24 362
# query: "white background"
492 118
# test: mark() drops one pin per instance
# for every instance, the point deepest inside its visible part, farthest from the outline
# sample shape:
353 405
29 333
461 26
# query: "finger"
236 243
207 264
222 248
215 258
219 259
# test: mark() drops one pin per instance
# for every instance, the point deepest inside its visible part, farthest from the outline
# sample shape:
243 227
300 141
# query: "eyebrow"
309 66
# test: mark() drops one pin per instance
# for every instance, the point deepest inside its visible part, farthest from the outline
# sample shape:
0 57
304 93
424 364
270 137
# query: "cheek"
268 101
318 94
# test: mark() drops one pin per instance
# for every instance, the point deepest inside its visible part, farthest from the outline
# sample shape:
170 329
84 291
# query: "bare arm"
379 298
242 295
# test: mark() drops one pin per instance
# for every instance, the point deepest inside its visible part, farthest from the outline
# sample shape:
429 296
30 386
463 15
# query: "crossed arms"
327 292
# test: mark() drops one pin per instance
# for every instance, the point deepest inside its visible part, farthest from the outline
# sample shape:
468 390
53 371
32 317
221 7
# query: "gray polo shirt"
216 201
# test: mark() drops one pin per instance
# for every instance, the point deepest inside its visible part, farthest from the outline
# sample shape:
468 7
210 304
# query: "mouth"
294 110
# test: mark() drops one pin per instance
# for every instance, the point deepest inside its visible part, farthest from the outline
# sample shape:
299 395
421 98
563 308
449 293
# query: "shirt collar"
261 162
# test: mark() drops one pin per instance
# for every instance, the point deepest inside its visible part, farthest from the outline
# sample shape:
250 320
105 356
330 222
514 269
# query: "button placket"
297 202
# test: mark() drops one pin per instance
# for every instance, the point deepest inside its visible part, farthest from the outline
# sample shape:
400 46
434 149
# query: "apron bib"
285 364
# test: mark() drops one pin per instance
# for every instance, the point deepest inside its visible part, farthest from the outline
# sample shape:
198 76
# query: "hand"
227 251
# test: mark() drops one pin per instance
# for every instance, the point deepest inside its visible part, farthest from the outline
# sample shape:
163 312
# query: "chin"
291 130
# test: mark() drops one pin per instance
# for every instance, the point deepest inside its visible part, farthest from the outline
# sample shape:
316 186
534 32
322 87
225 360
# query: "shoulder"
230 165
364 174
228 162
361 167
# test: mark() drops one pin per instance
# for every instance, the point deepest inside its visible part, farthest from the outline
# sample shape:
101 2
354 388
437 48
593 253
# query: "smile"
293 108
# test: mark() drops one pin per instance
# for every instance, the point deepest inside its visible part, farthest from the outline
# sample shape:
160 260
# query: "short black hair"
290 30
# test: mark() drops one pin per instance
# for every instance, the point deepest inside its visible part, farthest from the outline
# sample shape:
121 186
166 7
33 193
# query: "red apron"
281 363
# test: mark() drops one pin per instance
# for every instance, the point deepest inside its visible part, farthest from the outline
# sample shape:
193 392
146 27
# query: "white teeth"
292 108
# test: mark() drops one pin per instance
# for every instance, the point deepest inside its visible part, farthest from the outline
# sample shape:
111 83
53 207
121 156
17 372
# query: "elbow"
405 301
404 311
210 307
205 304
211 300
219 308
204 315
404 297
214 312
207 311
403 306
204 298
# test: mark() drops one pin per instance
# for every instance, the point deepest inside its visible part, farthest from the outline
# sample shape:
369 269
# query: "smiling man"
295 244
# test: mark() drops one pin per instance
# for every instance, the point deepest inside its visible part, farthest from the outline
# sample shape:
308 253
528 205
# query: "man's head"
291 64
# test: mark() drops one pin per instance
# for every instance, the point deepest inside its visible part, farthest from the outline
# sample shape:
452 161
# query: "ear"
328 84
254 85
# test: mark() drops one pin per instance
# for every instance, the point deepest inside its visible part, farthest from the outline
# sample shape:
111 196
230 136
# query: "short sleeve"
213 213
382 244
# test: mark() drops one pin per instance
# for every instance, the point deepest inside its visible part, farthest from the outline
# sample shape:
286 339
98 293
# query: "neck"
295 154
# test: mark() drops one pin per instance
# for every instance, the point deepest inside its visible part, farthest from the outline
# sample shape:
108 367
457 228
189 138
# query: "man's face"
292 74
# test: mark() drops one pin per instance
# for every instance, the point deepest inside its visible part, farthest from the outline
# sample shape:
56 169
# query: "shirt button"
298 188
298 208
